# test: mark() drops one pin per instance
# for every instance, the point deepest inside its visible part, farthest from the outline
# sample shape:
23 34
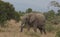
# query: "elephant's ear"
32 18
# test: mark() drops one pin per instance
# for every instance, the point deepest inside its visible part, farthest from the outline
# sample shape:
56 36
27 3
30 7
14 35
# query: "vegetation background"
10 21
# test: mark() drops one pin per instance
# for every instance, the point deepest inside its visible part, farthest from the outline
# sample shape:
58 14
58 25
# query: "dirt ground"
14 31
18 34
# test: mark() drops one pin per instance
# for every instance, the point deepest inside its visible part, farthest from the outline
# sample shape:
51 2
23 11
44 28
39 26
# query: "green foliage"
58 14
28 10
21 13
16 16
49 26
49 15
57 34
7 12
55 3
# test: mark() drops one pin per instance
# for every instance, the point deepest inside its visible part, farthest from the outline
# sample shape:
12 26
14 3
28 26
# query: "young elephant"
35 20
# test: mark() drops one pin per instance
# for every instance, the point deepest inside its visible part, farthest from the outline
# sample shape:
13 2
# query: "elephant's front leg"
22 26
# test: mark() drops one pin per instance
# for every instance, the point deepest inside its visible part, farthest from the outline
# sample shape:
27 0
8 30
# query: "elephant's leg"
29 28
22 26
40 30
44 30
35 28
21 29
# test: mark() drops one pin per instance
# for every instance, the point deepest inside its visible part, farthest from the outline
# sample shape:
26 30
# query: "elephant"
35 20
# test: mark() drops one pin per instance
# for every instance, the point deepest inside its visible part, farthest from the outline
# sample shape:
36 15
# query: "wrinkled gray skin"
35 20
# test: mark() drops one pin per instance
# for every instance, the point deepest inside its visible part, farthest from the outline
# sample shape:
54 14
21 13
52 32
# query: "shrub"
50 27
7 12
57 34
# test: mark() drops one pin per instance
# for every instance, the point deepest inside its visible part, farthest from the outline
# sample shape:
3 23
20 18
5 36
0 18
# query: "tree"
21 13
28 10
7 12
58 14
49 15
55 4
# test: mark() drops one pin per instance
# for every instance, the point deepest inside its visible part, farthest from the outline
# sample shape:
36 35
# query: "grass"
2 30
32 34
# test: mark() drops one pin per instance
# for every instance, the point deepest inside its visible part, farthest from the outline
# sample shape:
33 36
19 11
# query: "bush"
7 12
57 34
50 27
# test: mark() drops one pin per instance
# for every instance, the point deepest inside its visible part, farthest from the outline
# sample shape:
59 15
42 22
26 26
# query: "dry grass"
13 30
